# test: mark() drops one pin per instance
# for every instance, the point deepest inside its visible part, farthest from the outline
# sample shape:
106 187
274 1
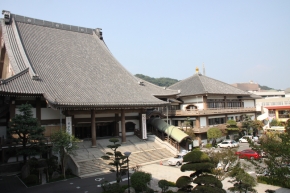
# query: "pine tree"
200 163
27 132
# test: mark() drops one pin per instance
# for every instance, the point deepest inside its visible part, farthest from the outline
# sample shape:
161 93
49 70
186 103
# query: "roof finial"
196 70
203 68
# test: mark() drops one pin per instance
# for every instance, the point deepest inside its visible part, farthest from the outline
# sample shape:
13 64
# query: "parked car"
177 160
245 138
249 154
228 144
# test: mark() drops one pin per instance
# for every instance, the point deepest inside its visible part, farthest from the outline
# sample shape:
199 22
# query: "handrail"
101 147
146 154
159 151
134 145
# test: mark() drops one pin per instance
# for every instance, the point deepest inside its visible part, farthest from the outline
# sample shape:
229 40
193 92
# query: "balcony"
209 111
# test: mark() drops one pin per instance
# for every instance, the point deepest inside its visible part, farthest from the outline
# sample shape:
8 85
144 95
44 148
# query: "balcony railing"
209 111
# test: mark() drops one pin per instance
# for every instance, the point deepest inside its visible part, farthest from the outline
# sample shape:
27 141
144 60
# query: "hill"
164 82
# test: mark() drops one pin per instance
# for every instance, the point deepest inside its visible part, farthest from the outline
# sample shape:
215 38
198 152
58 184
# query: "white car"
176 161
245 138
228 144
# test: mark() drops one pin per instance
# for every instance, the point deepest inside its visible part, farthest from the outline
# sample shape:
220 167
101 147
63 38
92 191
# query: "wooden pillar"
116 125
93 122
38 109
123 127
204 102
207 124
140 122
225 102
197 122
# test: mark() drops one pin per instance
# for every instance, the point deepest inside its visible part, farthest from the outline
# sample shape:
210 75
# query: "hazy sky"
237 41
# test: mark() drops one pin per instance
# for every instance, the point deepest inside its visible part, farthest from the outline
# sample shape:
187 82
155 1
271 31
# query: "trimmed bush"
139 180
31 180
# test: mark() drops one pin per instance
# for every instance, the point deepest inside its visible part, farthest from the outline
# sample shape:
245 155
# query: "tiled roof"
72 68
199 85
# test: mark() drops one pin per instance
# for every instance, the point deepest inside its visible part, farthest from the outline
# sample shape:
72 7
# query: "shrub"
31 180
208 145
163 184
68 172
139 180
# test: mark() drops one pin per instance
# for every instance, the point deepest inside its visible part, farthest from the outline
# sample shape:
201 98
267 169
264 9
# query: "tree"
257 125
187 123
247 123
243 182
29 132
119 160
225 159
65 144
201 164
214 133
276 146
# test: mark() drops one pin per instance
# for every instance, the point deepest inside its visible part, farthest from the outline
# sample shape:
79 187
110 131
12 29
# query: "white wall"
48 113
202 121
192 99
249 103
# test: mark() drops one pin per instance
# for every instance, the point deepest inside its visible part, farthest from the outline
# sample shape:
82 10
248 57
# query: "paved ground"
172 173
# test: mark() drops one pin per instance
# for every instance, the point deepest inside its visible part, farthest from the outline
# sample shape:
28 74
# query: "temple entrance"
103 129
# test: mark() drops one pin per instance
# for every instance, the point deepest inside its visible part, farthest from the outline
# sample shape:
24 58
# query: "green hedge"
273 181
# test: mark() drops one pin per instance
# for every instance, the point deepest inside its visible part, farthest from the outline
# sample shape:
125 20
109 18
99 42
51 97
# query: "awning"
170 130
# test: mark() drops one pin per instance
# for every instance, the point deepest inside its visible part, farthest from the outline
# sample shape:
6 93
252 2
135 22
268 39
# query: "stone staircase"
142 152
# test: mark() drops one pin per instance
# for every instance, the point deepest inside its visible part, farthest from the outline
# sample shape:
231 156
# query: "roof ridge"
4 81
34 21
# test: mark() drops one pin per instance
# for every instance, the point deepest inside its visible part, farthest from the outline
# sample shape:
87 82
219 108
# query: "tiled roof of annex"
71 66
199 84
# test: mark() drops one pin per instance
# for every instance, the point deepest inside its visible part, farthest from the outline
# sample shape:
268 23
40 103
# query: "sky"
236 41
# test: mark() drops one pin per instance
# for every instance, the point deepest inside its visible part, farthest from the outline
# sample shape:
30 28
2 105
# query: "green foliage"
232 122
29 132
196 157
119 160
202 165
275 122
183 181
207 189
164 82
273 181
163 184
139 180
112 188
242 181
246 122
214 133
65 144
208 145
277 148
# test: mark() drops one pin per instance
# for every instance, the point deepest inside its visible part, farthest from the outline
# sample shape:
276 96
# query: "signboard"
195 143
144 128
68 125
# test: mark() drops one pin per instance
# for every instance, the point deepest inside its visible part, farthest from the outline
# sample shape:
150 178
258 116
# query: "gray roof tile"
74 69
199 85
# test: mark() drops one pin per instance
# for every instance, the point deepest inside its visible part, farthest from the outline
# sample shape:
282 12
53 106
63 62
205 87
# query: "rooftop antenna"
203 68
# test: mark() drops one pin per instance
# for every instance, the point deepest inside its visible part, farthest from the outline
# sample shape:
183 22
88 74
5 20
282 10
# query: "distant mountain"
163 82
266 88
166 82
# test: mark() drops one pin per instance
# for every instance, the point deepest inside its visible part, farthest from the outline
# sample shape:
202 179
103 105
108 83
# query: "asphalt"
12 184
